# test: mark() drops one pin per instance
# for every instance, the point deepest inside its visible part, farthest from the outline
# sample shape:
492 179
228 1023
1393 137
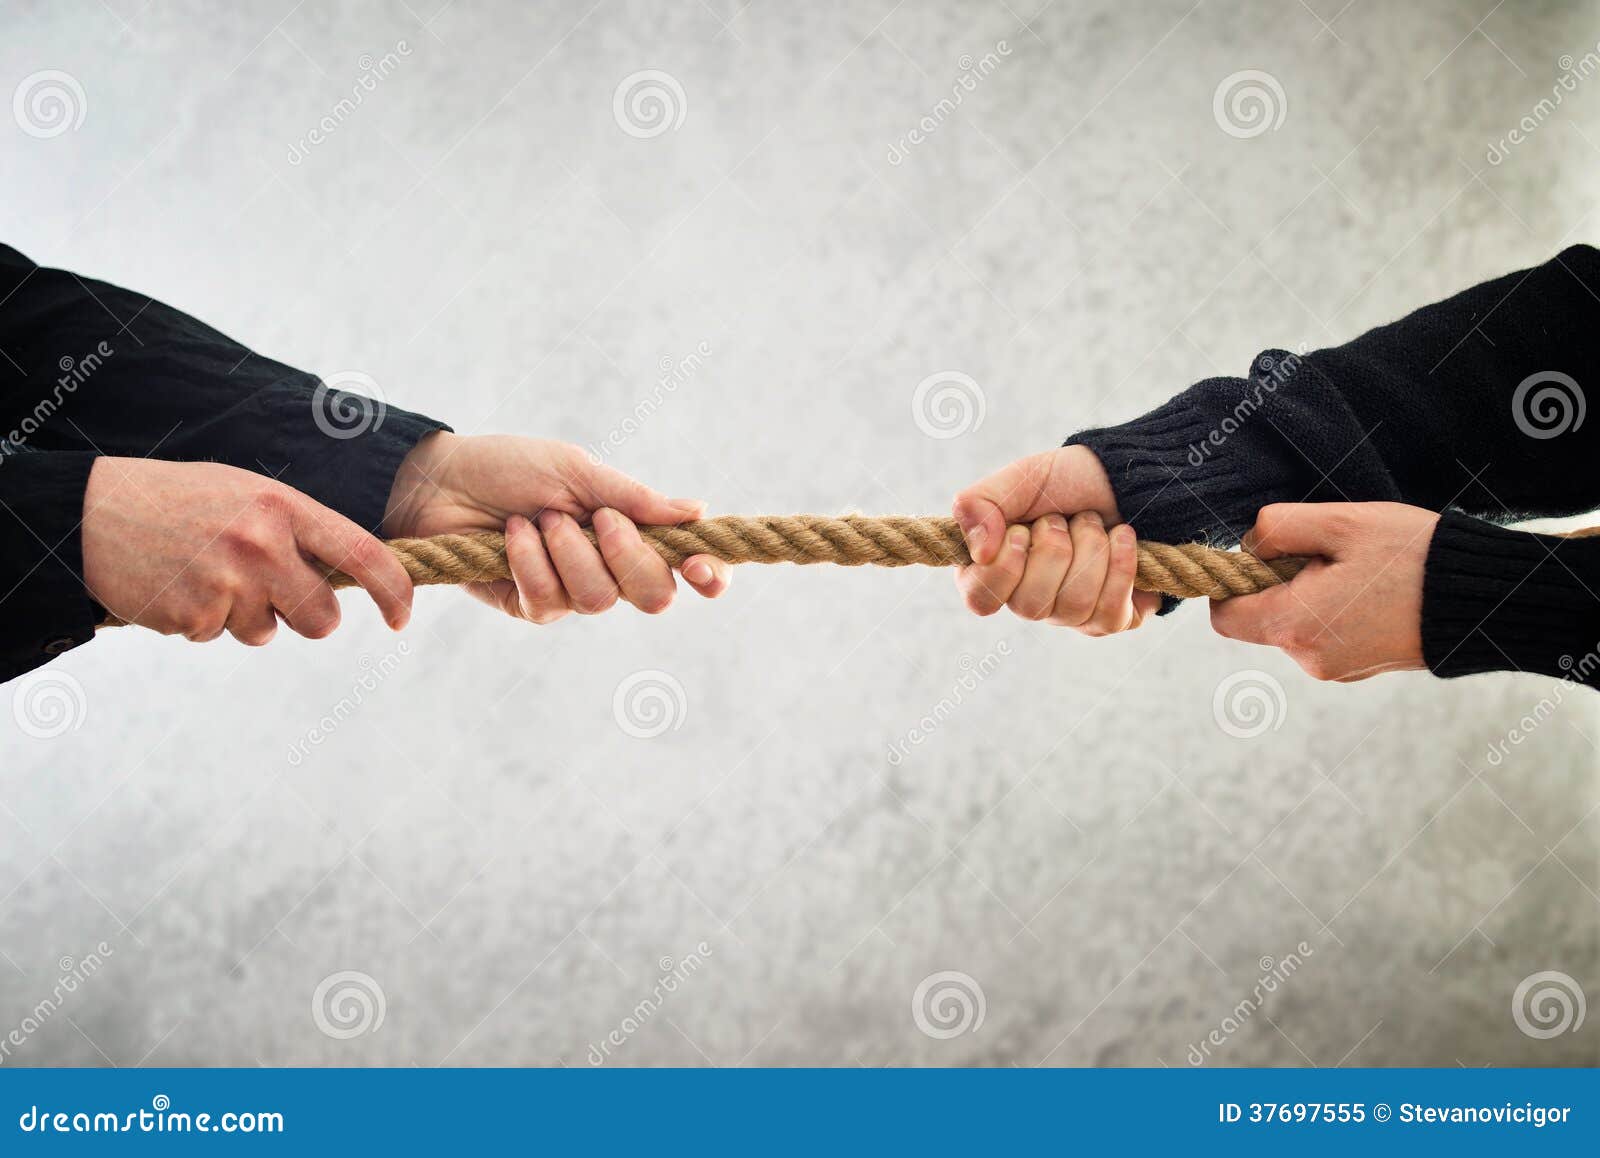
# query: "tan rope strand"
1186 570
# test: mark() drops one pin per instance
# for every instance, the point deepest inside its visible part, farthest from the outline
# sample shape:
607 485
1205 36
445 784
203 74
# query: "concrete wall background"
1080 838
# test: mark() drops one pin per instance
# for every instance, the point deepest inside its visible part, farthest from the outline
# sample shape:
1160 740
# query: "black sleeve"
1476 403
89 368
1494 599
44 608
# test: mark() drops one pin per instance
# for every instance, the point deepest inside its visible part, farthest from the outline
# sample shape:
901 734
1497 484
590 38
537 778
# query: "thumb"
988 506
603 486
1299 529
1256 618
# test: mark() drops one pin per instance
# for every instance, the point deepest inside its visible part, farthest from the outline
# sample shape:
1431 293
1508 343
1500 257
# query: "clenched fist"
1072 563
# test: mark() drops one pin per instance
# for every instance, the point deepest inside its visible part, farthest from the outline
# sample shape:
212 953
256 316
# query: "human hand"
1076 573
450 483
196 548
1355 610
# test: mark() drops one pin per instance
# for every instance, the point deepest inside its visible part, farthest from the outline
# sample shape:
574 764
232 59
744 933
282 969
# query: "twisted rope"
1187 571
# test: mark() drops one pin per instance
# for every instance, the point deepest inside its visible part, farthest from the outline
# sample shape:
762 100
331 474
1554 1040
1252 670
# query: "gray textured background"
1079 837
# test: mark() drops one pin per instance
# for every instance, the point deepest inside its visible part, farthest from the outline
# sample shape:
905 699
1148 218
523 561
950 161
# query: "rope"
1185 571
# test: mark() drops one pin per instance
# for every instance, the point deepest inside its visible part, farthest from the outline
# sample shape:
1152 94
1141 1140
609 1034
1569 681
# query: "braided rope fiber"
1186 571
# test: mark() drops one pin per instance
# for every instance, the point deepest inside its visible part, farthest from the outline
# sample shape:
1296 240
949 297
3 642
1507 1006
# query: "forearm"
1478 402
94 366
1424 411
1201 465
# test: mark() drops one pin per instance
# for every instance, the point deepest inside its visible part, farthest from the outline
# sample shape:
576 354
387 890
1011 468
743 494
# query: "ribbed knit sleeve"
1500 600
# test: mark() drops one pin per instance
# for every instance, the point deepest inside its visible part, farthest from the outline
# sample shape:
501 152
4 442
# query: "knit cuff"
1201 465
46 610
1500 600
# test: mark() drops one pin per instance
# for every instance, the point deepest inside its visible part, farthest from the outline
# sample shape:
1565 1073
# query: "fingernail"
516 525
605 522
690 506
1094 517
975 538
1017 538
698 571
1055 522
549 521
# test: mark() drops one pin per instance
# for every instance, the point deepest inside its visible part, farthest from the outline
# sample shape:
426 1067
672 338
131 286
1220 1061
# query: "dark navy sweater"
1475 407
88 368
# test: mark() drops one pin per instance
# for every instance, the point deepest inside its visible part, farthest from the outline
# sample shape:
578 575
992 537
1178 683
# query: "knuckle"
250 537
368 553
319 622
594 603
1031 607
540 591
1343 519
1050 539
202 629
654 603
271 502
980 603
1292 637
1270 519
1317 665
1075 607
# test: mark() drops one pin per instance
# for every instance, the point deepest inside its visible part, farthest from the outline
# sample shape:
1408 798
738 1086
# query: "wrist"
1081 464
420 477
